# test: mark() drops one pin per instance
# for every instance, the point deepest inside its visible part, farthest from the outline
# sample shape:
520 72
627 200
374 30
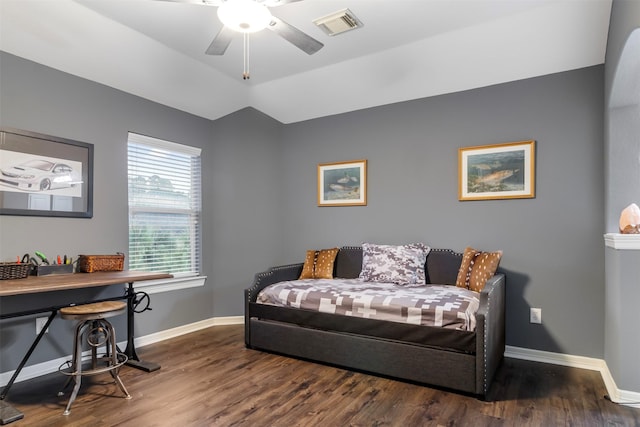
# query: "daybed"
463 360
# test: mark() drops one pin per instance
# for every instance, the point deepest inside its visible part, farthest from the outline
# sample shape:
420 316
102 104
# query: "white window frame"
179 281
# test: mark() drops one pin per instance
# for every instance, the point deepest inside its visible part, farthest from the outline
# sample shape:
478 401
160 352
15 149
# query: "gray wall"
238 159
622 344
260 194
552 244
243 193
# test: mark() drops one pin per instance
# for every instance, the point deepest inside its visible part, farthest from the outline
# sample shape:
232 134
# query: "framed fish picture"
500 171
342 183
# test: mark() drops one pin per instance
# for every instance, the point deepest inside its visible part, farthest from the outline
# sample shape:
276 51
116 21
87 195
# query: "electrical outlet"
535 315
40 322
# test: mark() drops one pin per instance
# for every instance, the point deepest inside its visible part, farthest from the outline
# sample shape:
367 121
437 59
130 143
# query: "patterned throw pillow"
476 268
319 264
403 264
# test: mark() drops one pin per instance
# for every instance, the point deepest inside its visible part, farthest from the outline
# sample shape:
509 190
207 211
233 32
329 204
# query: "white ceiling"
407 49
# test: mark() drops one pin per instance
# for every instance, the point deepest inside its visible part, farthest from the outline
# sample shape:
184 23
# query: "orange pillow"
319 264
476 268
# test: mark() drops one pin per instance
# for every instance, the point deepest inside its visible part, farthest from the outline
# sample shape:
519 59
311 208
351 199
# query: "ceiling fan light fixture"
245 16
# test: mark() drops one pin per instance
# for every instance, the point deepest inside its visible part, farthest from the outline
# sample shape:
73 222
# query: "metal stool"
93 329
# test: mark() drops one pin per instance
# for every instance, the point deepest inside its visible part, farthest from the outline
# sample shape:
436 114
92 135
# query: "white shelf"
622 241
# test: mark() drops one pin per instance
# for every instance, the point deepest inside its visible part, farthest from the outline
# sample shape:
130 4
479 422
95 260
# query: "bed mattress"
442 306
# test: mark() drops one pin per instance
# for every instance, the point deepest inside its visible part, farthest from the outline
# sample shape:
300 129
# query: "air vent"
338 22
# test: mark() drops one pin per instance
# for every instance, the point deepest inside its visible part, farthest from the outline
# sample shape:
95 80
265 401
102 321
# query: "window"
164 207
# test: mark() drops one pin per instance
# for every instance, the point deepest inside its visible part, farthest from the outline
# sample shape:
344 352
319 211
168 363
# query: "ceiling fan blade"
294 36
221 42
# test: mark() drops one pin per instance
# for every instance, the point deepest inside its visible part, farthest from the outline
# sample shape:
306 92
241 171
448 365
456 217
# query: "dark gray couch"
461 360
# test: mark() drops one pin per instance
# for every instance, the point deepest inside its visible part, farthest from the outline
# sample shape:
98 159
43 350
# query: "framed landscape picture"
500 171
42 175
342 183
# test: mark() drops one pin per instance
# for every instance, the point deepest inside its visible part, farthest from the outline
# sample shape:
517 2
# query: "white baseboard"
49 366
554 358
622 397
185 329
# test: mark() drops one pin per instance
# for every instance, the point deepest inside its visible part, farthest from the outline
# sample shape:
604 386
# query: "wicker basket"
14 270
91 263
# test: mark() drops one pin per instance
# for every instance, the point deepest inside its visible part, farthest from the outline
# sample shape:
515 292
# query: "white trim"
627 398
622 241
167 285
622 397
50 366
186 329
554 358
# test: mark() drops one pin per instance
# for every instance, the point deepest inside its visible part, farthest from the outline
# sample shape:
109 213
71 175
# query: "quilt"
430 305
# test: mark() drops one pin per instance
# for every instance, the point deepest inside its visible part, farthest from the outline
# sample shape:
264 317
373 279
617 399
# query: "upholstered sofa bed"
461 357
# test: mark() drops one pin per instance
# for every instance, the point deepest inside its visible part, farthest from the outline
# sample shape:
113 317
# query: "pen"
43 257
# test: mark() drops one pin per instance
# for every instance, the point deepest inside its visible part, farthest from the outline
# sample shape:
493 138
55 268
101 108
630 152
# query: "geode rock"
630 220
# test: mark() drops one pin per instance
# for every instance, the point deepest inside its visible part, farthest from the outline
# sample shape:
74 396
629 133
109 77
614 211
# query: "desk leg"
8 413
130 351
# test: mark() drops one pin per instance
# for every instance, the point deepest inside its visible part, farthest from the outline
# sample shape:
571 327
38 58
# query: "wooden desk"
61 282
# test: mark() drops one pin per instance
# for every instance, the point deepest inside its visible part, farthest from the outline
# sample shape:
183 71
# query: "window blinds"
164 206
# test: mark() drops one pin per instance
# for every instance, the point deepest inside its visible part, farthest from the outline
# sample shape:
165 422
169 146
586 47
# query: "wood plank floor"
208 378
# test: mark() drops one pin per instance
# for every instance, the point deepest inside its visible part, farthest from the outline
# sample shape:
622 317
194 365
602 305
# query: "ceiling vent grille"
338 22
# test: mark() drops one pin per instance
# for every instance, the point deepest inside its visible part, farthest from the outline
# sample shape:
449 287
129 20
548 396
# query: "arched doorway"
622 263
623 168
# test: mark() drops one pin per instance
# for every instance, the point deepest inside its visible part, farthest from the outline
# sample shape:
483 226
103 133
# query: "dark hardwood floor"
208 378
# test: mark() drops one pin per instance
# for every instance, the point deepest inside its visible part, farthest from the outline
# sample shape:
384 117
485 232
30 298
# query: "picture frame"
499 171
43 175
342 183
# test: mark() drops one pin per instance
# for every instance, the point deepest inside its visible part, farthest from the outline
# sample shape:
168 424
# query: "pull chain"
245 72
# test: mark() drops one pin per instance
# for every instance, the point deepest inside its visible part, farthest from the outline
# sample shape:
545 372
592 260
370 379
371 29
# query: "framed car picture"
42 175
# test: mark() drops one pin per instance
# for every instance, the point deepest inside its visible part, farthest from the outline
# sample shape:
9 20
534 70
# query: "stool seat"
96 310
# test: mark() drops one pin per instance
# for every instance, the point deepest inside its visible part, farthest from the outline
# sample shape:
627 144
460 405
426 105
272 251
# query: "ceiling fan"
249 16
